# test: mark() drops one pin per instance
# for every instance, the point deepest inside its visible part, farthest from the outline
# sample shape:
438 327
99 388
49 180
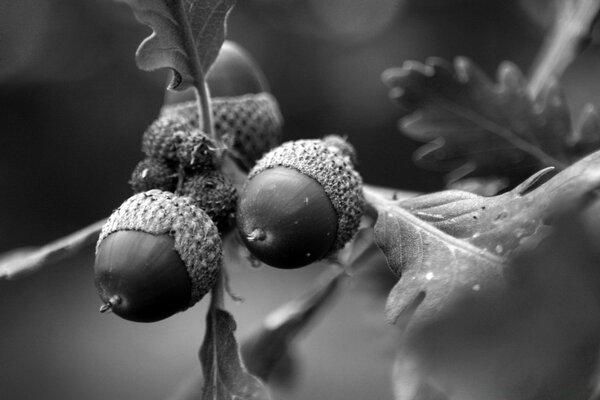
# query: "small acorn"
302 202
157 254
151 173
252 123
177 141
212 192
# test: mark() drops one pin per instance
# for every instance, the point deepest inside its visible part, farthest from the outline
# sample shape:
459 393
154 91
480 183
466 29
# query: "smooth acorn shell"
234 73
144 273
285 218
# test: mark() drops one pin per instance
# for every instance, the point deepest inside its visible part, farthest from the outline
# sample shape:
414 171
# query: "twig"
21 262
574 19
18 263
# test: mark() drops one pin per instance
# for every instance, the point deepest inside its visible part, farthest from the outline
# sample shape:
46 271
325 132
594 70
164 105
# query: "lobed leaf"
225 377
537 339
445 243
186 37
476 127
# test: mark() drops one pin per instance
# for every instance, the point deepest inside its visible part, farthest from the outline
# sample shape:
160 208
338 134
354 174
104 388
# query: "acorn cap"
253 121
342 145
159 141
150 174
196 238
212 192
335 173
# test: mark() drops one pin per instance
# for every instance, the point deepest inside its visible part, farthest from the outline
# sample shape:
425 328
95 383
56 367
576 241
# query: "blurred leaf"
571 32
475 127
409 383
445 243
538 339
269 351
187 37
225 376
481 186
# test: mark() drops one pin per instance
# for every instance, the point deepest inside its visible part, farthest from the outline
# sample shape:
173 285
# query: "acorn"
159 141
252 123
157 254
301 203
175 139
243 110
234 73
342 145
151 173
212 192
195 150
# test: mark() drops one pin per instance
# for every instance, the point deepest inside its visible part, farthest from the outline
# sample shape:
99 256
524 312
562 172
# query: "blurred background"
73 107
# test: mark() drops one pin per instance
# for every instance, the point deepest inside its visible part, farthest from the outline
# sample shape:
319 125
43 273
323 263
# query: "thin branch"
21 262
573 22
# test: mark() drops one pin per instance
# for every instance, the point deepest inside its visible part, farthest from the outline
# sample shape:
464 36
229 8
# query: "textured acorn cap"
253 121
175 139
195 236
159 141
342 145
212 192
333 171
150 174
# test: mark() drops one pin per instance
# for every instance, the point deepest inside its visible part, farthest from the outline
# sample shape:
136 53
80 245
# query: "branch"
20 262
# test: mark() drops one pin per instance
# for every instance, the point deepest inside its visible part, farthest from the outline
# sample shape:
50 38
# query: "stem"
574 19
205 113
199 79
20 262
217 299
216 302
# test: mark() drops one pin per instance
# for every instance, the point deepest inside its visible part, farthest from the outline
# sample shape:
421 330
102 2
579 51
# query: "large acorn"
157 254
302 202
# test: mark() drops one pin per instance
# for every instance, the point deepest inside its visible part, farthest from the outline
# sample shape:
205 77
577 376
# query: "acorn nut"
302 202
157 254
233 73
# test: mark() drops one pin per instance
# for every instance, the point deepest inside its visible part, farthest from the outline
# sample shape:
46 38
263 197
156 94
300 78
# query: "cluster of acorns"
160 251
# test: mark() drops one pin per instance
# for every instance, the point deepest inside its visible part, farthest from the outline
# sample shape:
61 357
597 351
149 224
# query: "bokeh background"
73 107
